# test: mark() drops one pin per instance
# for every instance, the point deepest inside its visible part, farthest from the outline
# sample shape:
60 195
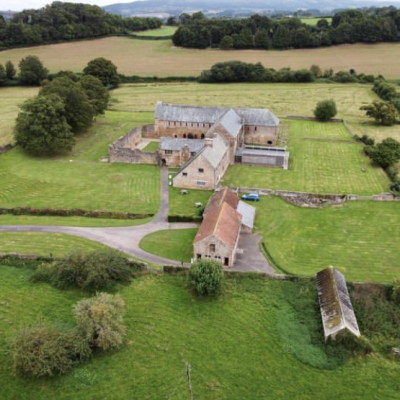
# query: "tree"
262 39
10 70
226 43
41 126
316 70
383 113
325 110
98 95
385 153
100 320
206 277
281 37
79 111
3 75
101 269
43 350
32 71
103 69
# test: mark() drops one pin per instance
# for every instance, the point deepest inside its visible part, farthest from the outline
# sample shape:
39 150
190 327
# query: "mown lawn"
174 244
313 20
10 100
249 344
152 147
323 159
184 204
360 238
44 244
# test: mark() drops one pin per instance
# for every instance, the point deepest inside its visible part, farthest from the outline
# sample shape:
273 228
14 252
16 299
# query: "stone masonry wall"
260 134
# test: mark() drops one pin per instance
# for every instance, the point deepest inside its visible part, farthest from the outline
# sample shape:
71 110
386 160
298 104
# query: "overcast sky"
18 5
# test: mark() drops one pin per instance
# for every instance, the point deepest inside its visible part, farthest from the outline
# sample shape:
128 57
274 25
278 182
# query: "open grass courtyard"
261 339
359 239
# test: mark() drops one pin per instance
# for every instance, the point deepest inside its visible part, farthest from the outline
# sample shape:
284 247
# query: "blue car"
251 197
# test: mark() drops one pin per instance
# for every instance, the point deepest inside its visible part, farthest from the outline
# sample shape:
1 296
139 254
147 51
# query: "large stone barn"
223 220
253 125
336 309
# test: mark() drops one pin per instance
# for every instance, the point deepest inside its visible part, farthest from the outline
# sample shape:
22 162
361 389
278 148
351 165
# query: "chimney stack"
208 142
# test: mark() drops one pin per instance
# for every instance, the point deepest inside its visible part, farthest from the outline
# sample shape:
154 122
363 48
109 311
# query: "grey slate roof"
232 122
215 153
177 144
247 212
336 309
182 113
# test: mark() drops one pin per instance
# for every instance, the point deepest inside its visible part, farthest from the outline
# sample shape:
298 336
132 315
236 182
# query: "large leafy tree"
325 110
42 128
206 277
382 112
10 70
98 95
103 69
32 71
386 153
79 111
3 74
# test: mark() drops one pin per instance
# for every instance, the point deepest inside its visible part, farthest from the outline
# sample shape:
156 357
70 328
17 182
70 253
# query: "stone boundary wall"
149 131
6 148
124 149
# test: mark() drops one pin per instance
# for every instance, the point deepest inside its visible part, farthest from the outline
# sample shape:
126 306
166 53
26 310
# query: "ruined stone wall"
149 131
260 134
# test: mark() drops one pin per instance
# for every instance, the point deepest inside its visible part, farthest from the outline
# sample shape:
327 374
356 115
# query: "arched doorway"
203 136
163 162
190 136
184 135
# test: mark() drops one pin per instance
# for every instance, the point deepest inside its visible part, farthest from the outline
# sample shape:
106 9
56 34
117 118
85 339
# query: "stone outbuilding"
334 300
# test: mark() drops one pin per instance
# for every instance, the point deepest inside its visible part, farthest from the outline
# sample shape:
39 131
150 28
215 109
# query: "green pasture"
323 159
163 31
175 244
44 244
161 58
314 20
359 239
261 339
10 100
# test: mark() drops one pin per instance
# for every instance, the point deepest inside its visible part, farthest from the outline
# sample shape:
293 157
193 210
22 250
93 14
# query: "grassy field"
357 238
262 339
172 244
281 98
313 20
163 31
185 204
10 100
44 244
323 159
161 58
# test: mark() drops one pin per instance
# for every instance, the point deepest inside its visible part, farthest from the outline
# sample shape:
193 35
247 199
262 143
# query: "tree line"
67 21
350 26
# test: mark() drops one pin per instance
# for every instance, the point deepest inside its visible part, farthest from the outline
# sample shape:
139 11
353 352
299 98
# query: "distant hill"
237 7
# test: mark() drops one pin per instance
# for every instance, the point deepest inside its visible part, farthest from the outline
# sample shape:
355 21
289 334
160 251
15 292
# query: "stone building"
223 220
176 152
336 309
257 126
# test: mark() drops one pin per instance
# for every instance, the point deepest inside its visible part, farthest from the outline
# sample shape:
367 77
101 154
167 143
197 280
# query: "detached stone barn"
223 220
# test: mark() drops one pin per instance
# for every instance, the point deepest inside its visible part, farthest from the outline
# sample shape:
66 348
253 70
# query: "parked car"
251 197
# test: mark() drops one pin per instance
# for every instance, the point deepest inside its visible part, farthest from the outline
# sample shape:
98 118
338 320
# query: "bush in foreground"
101 269
43 350
325 110
100 320
206 277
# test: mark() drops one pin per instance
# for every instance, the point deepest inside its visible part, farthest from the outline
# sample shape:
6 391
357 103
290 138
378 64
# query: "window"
201 170
168 151
192 153
201 183
212 248
184 173
255 128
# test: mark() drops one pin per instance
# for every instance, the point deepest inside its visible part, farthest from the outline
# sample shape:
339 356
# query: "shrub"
43 350
100 320
206 277
43 272
386 153
101 269
367 140
325 110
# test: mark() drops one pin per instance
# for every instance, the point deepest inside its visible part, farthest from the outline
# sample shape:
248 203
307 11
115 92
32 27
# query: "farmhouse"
223 220
336 309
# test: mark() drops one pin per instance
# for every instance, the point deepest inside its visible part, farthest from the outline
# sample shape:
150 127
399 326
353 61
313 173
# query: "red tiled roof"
221 221
225 195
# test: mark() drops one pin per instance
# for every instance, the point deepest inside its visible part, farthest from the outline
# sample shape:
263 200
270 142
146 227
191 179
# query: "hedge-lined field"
261 339
360 238
323 159
161 58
